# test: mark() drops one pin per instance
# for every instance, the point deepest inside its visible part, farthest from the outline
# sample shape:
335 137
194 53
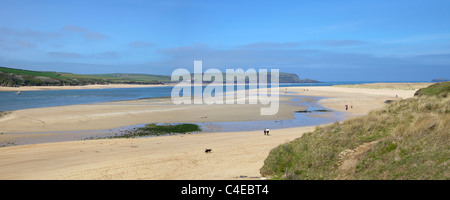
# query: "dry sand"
362 99
234 154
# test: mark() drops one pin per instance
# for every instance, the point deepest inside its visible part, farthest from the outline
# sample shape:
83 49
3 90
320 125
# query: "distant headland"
440 80
10 77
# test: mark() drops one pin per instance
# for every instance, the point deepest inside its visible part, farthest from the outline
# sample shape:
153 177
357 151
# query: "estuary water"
48 98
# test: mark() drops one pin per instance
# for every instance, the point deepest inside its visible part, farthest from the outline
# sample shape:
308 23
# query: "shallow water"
299 120
48 98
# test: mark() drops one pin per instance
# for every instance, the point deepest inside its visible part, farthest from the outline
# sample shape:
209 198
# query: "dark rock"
388 101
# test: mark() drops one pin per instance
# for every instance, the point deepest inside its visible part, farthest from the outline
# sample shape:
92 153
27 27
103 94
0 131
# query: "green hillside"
282 78
410 139
17 77
135 77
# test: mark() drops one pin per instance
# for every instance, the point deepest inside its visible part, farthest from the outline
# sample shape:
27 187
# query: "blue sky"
378 40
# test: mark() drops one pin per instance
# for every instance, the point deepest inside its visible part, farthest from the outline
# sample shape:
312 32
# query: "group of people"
346 107
266 131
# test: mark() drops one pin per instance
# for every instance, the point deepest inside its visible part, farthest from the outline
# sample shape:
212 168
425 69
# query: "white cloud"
29 34
86 33
140 44
63 54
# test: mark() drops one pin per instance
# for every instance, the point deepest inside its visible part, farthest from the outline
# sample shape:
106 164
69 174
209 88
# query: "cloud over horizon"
85 33
72 55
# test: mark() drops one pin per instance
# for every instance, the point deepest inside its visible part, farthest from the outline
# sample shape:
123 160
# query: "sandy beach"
235 155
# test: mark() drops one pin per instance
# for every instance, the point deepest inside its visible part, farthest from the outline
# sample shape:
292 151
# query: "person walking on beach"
346 107
265 131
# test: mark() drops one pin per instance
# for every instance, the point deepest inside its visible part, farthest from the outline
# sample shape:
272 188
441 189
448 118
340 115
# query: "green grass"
17 77
412 141
31 73
442 89
159 130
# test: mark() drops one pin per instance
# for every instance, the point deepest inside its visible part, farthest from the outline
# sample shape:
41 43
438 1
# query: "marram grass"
410 139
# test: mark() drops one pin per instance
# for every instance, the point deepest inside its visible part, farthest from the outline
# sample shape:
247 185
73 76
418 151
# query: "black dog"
208 150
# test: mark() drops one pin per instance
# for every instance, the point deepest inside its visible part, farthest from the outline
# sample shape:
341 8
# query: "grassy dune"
440 89
410 139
